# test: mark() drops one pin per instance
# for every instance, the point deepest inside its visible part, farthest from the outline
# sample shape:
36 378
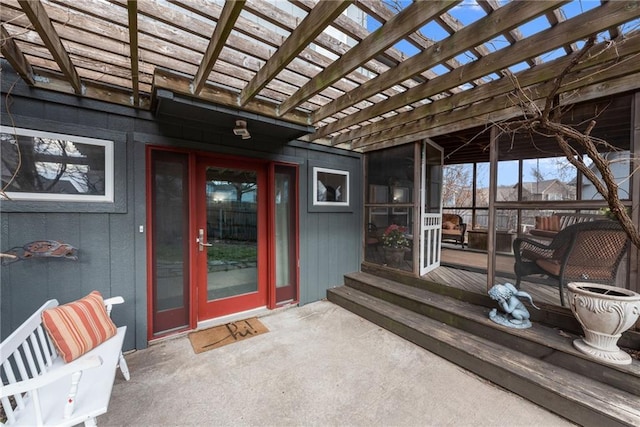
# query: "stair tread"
575 387
540 334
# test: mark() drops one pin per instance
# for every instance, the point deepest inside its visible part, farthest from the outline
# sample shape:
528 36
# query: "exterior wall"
112 250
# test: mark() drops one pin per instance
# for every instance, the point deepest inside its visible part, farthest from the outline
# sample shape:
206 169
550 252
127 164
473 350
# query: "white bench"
39 388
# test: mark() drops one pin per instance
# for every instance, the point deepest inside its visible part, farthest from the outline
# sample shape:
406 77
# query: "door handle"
200 240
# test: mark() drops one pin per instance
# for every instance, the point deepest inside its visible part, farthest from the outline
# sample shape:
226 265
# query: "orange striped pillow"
551 223
77 327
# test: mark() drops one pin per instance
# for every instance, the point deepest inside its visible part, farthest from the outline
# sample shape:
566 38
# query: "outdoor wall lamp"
241 129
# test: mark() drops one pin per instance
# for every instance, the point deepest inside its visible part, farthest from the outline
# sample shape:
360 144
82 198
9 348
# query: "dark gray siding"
112 251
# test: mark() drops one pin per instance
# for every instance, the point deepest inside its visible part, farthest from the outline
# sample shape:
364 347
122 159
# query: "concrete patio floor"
319 365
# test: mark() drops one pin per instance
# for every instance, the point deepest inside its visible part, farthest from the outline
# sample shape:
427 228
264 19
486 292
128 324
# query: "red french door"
231 236
223 237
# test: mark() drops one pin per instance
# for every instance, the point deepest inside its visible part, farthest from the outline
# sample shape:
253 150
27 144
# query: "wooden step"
569 394
546 343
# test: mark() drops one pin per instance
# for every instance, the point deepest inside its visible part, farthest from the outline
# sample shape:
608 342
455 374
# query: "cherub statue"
515 314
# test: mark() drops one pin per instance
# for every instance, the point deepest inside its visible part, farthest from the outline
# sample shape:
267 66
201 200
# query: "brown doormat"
215 337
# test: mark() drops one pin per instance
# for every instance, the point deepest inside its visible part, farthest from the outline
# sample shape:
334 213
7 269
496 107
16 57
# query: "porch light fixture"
241 129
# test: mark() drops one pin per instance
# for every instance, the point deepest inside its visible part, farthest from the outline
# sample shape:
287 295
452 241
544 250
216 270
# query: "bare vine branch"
548 122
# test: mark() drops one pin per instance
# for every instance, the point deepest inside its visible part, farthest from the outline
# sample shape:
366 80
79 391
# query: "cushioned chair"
585 252
453 228
372 242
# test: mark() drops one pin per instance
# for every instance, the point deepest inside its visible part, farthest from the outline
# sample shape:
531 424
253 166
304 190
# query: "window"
620 165
330 187
551 179
457 186
54 167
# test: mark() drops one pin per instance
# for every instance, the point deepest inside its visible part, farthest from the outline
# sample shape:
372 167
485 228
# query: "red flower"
394 236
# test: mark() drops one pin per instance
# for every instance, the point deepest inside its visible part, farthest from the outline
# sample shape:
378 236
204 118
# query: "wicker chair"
586 252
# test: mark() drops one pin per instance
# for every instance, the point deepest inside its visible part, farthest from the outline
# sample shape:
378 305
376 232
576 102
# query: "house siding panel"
112 251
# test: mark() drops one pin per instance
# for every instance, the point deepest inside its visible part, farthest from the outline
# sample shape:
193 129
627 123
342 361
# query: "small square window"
330 187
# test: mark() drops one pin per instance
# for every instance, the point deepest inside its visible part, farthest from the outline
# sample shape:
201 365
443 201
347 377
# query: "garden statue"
515 313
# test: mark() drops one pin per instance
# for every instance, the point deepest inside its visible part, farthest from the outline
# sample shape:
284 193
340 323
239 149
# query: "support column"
634 253
491 226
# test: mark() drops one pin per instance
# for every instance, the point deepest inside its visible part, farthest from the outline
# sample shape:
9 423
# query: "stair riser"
560 317
454 319
578 365
553 401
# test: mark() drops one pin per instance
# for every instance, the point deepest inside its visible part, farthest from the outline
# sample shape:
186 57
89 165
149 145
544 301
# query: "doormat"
215 337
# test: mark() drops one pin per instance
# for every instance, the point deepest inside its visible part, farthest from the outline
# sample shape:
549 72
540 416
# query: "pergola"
310 63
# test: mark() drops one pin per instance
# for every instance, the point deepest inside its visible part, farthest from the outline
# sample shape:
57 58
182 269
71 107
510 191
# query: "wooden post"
634 253
491 229
417 201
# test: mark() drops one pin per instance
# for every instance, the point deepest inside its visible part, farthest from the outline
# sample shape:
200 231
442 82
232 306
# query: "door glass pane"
232 225
170 251
283 221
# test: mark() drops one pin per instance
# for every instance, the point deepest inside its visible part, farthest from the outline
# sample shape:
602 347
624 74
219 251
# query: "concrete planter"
604 312
394 256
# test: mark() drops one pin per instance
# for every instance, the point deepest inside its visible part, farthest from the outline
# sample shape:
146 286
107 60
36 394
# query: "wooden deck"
466 269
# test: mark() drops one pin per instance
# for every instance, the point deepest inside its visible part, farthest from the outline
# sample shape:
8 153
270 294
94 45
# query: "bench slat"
37 351
19 336
26 348
46 349
22 370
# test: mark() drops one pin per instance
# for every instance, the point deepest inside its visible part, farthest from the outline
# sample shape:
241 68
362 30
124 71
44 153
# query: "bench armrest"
53 375
522 245
523 240
114 300
110 302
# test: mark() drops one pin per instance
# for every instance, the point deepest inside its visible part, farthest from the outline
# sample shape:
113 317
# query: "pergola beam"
165 79
418 39
132 13
228 16
407 21
452 25
42 24
313 24
503 109
16 58
555 17
512 35
482 30
584 25
98 91
611 87
599 54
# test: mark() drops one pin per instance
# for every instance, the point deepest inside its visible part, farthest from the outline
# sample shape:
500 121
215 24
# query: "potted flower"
395 242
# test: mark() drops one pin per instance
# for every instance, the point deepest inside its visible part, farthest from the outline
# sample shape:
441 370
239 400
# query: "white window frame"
54 197
345 174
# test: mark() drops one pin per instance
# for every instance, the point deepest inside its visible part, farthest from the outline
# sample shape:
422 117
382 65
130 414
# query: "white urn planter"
604 312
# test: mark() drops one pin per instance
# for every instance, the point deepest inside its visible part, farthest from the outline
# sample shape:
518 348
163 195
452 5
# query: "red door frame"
149 241
292 295
266 237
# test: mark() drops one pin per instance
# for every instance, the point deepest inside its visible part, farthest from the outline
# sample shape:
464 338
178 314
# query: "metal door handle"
200 240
